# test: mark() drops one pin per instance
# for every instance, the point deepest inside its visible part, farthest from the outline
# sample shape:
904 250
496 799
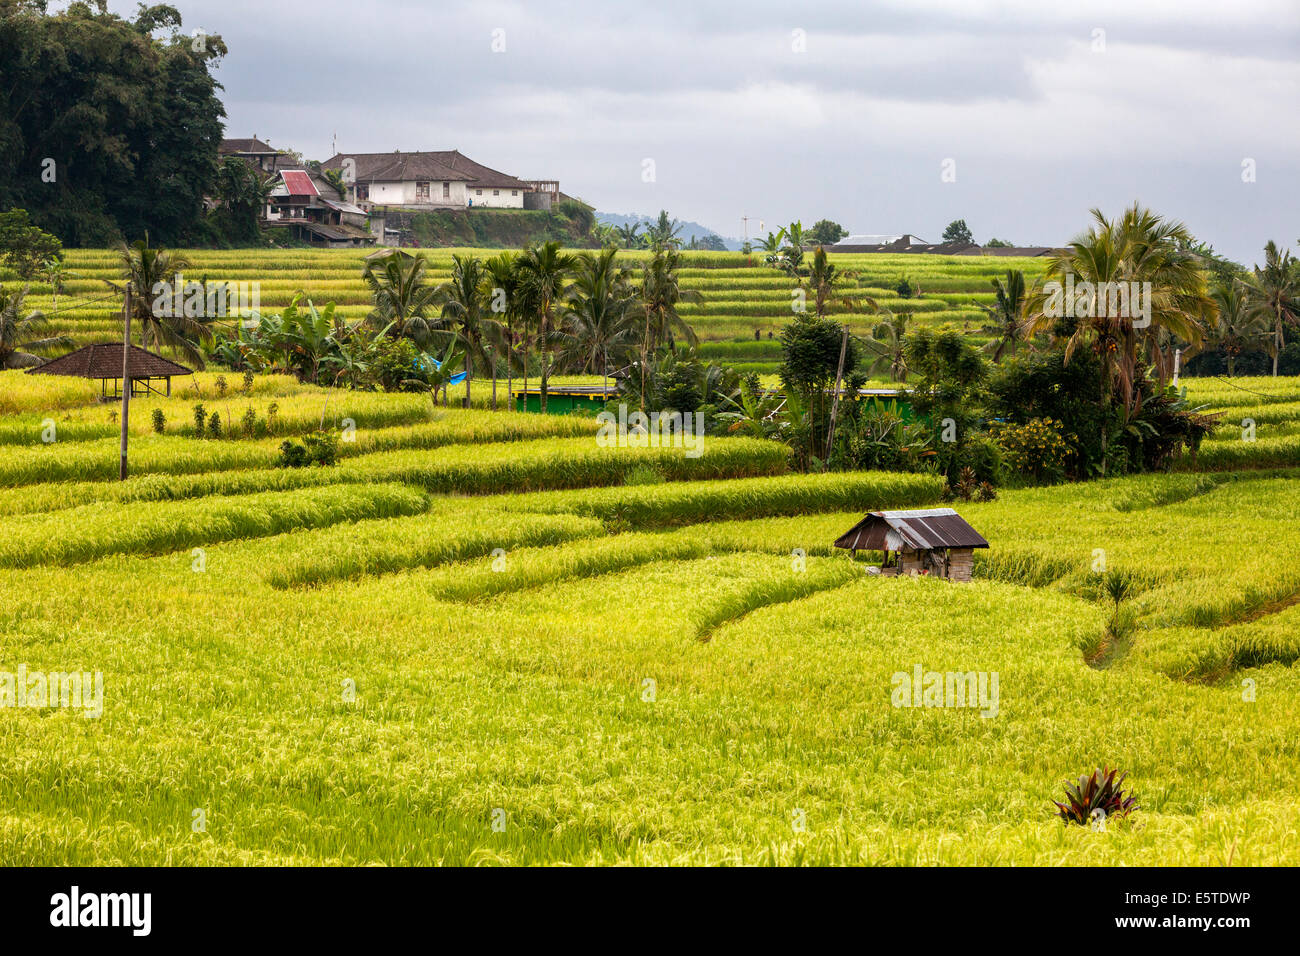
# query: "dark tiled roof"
924 530
902 245
333 233
1010 251
443 165
105 361
245 146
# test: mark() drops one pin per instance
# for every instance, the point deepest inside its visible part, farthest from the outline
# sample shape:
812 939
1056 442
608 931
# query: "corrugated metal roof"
298 182
342 206
924 530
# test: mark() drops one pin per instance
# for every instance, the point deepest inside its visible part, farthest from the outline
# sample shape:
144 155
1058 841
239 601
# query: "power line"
80 303
1251 390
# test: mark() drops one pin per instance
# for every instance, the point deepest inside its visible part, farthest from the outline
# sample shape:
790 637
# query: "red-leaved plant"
1099 790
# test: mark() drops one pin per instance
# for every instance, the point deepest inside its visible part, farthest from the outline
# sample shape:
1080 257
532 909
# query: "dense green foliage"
109 127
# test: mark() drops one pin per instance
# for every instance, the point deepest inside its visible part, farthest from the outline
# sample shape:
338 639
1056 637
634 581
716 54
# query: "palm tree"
889 340
629 235
542 274
1139 247
661 293
821 281
402 299
1159 251
152 274
601 301
55 272
1273 294
20 337
465 304
1239 327
662 233
605 235
501 279
1008 312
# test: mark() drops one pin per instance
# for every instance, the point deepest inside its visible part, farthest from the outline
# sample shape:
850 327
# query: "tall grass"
92 531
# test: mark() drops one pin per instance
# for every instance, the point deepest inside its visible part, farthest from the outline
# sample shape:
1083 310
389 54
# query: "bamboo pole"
835 402
126 378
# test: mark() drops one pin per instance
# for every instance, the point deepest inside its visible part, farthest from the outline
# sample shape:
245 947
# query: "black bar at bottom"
338 906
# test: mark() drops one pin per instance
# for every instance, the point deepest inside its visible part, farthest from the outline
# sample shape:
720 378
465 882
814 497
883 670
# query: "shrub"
200 417
250 422
397 366
320 448
159 421
1038 449
292 454
214 425
879 437
1096 794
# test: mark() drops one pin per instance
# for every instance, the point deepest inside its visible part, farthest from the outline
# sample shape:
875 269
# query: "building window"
514 192
496 192
363 190
478 192
421 191
446 190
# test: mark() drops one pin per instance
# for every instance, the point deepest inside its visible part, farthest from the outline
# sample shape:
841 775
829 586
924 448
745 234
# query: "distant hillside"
689 227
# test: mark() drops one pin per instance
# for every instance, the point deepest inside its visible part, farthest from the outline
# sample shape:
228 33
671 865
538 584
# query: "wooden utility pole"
835 402
126 377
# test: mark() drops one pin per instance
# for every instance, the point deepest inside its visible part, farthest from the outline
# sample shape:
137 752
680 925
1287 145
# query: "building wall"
961 562
458 196
909 562
407 194
505 198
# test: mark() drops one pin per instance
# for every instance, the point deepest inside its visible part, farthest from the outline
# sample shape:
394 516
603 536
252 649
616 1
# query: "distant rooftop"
253 146
874 240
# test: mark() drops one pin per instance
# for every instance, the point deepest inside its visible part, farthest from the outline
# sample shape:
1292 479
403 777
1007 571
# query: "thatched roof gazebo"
935 541
104 362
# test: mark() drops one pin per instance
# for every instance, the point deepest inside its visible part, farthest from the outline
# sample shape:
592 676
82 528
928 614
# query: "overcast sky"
832 108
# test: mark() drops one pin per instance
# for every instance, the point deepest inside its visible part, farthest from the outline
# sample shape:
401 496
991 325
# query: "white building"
427 180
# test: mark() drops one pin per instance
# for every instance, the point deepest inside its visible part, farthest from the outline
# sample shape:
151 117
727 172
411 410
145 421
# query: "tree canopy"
109 127
825 232
958 231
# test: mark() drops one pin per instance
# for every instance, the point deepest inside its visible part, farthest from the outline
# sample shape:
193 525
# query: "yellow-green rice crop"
365 664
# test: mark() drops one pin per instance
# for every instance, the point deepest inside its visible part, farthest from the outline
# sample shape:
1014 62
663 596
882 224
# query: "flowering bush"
1038 449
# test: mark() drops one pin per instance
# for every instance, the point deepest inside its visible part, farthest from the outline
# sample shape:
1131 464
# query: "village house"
444 179
302 200
312 208
253 151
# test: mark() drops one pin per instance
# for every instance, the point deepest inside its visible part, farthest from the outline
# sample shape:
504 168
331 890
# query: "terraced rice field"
741 295
481 638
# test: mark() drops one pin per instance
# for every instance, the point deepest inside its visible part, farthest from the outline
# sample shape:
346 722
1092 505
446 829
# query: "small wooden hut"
936 541
104 362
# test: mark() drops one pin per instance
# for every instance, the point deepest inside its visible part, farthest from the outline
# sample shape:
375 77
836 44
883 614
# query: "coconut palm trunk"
1277 337
546 363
